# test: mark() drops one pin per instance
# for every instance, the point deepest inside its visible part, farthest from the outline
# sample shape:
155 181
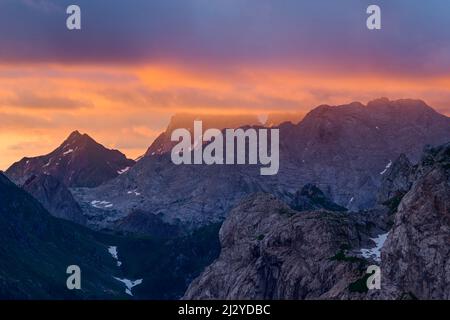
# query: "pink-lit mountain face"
163 143
344 150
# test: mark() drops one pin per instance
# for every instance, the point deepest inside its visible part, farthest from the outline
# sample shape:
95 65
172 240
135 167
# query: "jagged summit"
163 144
78 162
398 102
74 135
78 139
373 107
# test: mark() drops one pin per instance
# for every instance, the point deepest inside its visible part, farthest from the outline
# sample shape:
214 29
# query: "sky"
135 63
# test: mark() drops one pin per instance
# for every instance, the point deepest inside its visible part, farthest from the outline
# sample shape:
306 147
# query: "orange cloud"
126 107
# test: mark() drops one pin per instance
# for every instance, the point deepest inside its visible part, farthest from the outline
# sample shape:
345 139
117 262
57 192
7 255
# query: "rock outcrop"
163 143
396 181
270 251
55 197
416 255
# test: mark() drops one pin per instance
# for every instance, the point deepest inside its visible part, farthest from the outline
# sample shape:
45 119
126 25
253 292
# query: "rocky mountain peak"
378 101
405 103
220 121
77 142
415 112
373 109
79 161
163 143
74 135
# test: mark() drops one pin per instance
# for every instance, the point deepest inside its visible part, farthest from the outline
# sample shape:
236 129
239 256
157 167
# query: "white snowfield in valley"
113 251
129 284
375 252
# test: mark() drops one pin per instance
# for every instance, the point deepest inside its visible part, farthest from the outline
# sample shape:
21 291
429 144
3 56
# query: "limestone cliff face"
396 181
416 255
270 251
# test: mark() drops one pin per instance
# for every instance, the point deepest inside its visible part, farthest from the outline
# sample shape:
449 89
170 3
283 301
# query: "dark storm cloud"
227 33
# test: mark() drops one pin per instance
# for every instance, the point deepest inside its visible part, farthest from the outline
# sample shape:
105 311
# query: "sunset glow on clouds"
136 63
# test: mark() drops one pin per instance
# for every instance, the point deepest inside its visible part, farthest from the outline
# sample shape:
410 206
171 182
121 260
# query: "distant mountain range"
344 150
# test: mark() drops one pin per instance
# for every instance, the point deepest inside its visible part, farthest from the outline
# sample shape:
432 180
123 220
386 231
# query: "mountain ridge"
78 162
343 150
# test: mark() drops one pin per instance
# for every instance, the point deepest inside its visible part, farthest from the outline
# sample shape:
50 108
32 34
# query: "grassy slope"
166 266
36 248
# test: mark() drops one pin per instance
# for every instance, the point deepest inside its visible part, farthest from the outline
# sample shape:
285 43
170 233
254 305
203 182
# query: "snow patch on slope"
68 152
129 284
123 170
101 204
135 192
375 252
387 167
113 251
